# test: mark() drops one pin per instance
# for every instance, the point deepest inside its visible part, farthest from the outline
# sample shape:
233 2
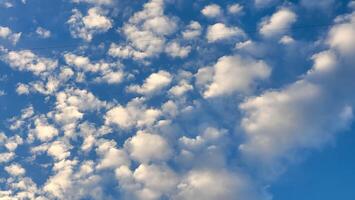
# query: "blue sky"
177 99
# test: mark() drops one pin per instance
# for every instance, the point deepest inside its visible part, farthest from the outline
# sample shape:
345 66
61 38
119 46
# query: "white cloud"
174 50
135 114
220 31
145 32
15 170
181 88
71 106
59 150
26 60
341 36
43 33
193 30
286 40
212 11
111 156
6 157
22 89
215 184
299 121
106 72
153 84
235 9
86 27
236 74
7 33
278 23
43 130
145 147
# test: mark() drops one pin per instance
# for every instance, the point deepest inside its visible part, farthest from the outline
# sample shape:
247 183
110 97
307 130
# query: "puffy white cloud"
43 130
43 33
181 88
110 73
145 147
86 27
15 170
220 31
22 89
278 23
59 184
299 121
7 33
305 115
286 40
10 143
341 36
59 150
215 184
235 9
193 30
324 61
6 157
174 50
212 10
153 84
209 136
71 105
111 156
135 114
235 74
26 60
147 182
145 32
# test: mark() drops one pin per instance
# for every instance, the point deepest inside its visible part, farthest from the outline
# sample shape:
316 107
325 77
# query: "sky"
177 99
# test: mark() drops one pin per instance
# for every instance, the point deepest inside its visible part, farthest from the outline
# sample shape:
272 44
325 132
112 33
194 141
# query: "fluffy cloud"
193 30
278 23
175 50
212 10
7 33
86 27
43 33
235 9
215 184
145 32
299 119
26 60
110 73
147 182
235 74
145 147
341 36
153 84
43 130
111 156
15 170
135 114
220 31
71 105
